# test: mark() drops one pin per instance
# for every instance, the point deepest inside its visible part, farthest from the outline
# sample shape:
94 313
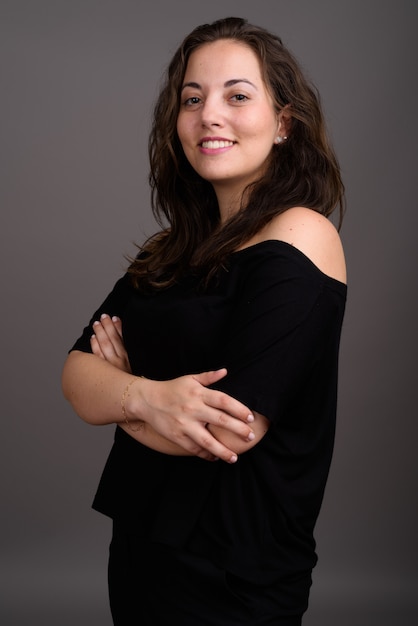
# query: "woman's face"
227 123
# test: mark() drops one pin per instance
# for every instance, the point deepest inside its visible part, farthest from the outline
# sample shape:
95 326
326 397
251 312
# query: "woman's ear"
284 124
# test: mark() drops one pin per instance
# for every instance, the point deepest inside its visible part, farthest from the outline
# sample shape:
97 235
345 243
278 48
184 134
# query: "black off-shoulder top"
274 321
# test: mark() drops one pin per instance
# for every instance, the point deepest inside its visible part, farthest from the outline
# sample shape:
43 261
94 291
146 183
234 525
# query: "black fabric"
274 320
155 585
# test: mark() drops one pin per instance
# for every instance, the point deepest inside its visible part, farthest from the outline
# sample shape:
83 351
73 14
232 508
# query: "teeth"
214 145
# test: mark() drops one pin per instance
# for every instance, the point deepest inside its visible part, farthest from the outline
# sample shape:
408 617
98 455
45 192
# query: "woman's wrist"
129 405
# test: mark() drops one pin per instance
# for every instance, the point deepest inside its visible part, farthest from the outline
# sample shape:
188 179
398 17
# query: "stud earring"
280 139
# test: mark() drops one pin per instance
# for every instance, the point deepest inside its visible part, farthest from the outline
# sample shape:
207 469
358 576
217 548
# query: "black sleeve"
286 327
114 304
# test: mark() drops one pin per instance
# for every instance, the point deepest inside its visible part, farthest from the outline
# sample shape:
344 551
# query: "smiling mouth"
216 144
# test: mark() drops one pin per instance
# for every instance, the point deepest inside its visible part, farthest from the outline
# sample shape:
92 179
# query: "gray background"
78 80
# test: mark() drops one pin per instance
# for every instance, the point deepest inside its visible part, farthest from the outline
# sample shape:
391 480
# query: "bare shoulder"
314 235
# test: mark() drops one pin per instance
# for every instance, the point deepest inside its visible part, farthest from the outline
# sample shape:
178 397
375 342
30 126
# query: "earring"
280 139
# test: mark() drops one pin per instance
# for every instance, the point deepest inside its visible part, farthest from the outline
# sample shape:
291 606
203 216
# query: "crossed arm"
182 416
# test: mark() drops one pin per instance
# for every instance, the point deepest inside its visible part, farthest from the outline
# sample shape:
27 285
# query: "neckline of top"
284 244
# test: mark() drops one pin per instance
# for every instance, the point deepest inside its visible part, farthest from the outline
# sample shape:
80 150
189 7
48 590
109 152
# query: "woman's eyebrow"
191 84
228 83
234 81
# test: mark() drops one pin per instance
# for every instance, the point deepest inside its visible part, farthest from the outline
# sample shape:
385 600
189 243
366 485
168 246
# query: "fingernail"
96 323
93 337
250 418
103 316
115 318
250 436
233 458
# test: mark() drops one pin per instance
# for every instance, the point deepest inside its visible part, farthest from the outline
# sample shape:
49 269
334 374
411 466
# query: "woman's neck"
229 202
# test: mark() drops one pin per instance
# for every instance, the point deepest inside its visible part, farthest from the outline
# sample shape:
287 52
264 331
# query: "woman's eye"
239 97
192 100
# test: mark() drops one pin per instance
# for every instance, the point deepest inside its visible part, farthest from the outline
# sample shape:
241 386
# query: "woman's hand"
107 342
181 410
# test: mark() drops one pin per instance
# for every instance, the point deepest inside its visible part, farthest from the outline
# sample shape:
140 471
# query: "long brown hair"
303 171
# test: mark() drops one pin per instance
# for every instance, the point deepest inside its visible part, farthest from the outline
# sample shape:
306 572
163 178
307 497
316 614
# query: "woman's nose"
211 113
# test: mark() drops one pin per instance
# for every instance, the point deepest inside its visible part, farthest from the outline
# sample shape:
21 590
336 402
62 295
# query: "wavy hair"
303 171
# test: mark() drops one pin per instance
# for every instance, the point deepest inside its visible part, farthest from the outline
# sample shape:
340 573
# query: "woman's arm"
176 414
107 343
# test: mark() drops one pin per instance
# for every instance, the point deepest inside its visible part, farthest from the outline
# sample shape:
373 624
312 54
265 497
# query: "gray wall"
78 80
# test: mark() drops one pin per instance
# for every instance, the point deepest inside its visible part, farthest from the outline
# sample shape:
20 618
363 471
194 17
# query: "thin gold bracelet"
122 402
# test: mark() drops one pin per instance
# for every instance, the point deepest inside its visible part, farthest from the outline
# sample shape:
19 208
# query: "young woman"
223 383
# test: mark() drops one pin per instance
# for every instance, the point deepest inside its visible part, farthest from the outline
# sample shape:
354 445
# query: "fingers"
108 334
227 405
107 342
206 407
208 378
201 443
227 412
95 346
117 323
203 430
218 449
176 410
